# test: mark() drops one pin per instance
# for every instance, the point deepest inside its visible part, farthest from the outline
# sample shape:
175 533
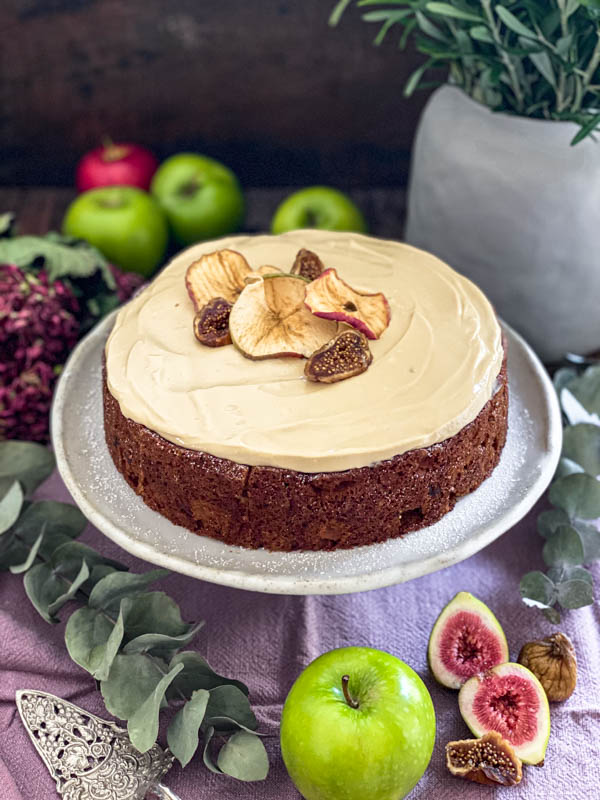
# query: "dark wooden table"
41 209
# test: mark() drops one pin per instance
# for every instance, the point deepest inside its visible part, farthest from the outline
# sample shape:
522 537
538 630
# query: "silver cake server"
88 757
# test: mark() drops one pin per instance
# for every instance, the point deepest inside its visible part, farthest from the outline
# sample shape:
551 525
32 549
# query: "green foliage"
127 637
534 58
571 537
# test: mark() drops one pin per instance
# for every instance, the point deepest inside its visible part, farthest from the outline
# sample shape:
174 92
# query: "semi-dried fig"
307 264
552 660
345 356
211 323
490 760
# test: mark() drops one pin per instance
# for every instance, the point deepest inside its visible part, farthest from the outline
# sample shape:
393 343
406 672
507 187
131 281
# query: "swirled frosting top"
433 369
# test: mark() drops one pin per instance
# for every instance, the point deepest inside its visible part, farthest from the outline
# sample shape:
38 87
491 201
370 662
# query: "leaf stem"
510 67
352 702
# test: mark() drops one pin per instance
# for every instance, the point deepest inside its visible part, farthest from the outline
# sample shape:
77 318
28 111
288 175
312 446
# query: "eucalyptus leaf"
243 756
142 726
229 702
68 557
77 583
43 587
563 377
567 467
17 569
590 538
62 518
109 591
578 495
537 590
131 680
198 674
575 594
154 612
206 755
564 546
86 636
10 506
549 521
182 734
552 615
581 443
27 462
161 644
568 572
574 409
586 387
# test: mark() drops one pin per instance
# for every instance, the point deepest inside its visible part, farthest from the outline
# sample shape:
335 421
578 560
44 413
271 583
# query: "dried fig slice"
307 264
270 320
553 662
345 356
218 274
211 323
332 298
490 760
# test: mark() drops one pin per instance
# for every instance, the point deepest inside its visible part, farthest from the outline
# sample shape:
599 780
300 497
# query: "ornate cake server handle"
88 757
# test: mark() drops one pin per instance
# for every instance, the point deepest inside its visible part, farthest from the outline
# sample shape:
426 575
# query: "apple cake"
396 407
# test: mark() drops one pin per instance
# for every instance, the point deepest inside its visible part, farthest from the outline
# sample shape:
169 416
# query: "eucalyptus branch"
128 638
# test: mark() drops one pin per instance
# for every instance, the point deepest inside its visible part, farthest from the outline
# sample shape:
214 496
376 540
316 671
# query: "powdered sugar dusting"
526 465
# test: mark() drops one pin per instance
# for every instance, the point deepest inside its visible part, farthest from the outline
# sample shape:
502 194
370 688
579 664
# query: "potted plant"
505 178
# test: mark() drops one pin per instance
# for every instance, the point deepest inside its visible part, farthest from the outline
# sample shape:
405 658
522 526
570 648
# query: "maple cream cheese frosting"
433 369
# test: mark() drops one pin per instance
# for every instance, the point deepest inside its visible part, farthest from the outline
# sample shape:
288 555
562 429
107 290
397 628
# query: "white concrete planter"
507 201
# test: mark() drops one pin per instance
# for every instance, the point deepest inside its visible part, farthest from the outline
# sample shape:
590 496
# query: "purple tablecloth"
266 640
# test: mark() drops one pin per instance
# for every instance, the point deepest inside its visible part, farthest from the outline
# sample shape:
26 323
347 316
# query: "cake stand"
526 467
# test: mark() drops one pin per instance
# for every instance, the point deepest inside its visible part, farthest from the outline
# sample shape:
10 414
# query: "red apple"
116 164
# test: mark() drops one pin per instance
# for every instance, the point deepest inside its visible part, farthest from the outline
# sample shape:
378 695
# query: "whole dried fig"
489 760
553 662
211 323
307 264
345 356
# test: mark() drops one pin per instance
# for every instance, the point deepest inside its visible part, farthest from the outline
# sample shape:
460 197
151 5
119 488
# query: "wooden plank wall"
264 85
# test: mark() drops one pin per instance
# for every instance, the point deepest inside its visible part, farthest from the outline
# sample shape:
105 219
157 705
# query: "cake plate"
526 467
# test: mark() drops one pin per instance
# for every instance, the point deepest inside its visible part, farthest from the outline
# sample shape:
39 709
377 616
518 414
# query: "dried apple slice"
330 297
343 357
307 264
270 320
218 274
211 323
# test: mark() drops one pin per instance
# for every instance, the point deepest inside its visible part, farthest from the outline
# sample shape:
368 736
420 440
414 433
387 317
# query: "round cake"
252 453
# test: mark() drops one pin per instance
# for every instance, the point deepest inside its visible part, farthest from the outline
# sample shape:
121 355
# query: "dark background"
264 85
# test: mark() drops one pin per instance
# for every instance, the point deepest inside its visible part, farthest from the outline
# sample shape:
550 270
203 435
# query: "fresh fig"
332 298
307 264
466 640
490 760
270 320
343 357
510 700
211 323
218 274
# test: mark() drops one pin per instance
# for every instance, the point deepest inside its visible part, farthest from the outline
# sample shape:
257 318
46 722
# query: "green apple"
318 207
124 223
358 724
200 196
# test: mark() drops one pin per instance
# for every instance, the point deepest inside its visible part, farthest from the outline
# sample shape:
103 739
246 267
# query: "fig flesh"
218 274
270 320
343 357
490 760
510 700
553 662
307 264
332 298
466 640
211 323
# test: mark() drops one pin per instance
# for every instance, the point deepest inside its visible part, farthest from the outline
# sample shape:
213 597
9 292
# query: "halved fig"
510 700
466 640
211 323
218 274
332 298
345 356
490 760
270 320
307 264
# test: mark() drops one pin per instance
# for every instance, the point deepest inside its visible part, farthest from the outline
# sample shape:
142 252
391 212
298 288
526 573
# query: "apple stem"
347 696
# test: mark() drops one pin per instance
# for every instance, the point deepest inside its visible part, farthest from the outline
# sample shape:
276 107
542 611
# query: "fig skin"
211 323
307 264
490 760
554 663
345 356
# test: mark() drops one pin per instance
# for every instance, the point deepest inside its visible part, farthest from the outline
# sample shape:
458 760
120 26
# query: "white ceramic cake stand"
528 462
